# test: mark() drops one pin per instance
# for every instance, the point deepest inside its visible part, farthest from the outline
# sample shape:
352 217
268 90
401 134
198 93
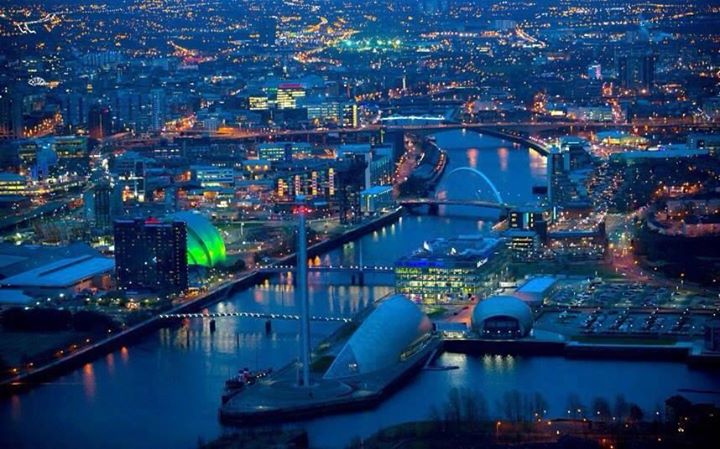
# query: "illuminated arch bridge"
463 186
205 246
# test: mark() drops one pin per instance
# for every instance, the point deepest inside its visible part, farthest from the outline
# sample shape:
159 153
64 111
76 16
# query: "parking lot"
577 308
628 294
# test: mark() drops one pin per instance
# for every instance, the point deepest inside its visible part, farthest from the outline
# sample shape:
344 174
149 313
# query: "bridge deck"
256 315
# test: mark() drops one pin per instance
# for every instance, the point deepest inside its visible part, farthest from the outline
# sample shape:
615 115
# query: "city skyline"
392 223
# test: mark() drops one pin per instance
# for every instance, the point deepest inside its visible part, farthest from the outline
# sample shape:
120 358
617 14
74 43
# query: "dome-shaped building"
503 317
381 339
205 245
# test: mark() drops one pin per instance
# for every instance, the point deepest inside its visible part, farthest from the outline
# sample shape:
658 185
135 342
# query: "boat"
245 377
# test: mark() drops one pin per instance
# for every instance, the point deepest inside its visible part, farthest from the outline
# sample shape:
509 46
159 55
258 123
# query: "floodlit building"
375 198
536 289
66 276
205 245
209 176
289 94
502 317
283 151
451 269
391 333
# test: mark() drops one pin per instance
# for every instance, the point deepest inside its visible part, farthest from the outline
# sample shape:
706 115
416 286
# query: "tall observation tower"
300 210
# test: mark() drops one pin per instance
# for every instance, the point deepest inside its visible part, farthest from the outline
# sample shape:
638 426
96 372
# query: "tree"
511 406
621 408
540 405
474 406
601 409
575 406
437 419
675 407
635 413
453 407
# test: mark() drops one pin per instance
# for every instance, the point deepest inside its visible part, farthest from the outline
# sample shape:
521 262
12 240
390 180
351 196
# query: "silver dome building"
502 317
380 341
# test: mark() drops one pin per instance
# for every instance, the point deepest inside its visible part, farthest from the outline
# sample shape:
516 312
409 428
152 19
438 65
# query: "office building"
151 255
102 206
636 68
11 113
289 95
560 188
453 269
283 151
99 122
375 199
209 176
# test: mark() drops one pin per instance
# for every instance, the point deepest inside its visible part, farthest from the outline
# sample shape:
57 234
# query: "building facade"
151 255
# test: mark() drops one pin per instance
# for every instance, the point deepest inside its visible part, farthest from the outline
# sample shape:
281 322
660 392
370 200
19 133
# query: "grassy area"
16 347
623 340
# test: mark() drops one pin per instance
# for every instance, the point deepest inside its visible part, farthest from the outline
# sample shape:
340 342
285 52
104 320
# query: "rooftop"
61 273
473 248
537 284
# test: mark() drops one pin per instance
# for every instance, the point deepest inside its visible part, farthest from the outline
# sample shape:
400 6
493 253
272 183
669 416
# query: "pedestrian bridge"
255 315
463 186
328 268
412 202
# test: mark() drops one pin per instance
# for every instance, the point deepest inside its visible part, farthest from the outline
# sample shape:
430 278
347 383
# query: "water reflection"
538 164
503 158
124 355
472 157
88 380
498 363
15 407
110 362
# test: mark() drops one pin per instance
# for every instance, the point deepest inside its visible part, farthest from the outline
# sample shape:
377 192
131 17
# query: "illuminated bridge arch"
477 173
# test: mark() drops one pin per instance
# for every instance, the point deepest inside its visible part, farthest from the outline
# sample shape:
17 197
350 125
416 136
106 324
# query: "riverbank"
688 352
27 379
279 399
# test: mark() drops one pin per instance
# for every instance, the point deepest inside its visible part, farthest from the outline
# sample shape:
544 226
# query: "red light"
301 210
152 220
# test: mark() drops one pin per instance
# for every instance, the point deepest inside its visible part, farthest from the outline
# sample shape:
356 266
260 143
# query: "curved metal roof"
502 306
378 343
205 245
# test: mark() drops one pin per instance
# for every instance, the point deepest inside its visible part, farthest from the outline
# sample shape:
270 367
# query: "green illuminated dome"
205 245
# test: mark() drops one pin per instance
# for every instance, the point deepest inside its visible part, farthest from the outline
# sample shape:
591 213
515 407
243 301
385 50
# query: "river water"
165 390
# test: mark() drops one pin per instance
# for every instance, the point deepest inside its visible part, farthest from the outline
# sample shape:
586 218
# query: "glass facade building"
451 269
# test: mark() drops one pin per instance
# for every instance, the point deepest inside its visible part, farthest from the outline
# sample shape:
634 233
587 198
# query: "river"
165 391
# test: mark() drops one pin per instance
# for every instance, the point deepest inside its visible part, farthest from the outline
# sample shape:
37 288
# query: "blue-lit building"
460 268
391 333
502 317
